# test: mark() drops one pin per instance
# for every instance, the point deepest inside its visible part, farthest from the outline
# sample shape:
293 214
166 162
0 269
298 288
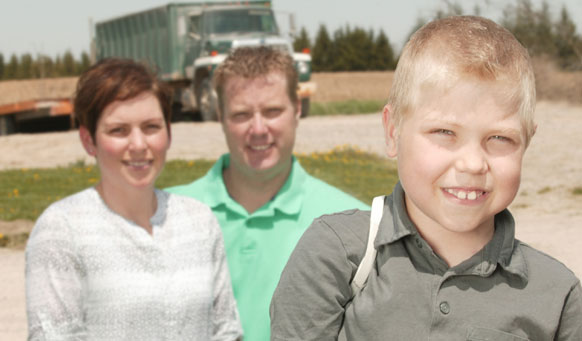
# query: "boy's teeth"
462 195
260 147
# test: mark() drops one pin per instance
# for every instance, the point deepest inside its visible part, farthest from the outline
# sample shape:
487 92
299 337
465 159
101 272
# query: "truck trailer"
187 41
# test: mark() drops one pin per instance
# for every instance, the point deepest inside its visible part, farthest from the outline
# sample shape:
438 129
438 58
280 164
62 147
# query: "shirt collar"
288 199
502 250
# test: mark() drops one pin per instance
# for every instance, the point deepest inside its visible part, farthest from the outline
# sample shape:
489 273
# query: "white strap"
367 262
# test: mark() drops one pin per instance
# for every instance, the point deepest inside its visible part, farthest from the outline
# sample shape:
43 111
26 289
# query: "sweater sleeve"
310 300
570 327
225 318
53 281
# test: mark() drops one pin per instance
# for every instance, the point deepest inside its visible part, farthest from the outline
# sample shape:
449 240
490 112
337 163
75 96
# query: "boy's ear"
390 132
87 141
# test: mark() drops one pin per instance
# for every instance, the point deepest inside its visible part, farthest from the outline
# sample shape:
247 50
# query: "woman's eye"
153 127
117 130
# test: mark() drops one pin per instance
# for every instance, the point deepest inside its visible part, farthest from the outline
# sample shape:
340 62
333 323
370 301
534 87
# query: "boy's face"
459 159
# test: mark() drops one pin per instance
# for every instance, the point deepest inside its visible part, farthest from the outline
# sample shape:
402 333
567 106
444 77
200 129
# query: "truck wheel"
7 125
305 106
206 101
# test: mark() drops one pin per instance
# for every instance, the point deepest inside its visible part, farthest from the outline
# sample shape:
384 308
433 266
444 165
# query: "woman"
123 260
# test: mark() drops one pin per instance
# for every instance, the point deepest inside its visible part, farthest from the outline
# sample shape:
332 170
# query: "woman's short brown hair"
116 79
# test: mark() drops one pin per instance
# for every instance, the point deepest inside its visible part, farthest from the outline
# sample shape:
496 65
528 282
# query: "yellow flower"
190 163
88 169
15 192
36 176
1 236
24 170
92 180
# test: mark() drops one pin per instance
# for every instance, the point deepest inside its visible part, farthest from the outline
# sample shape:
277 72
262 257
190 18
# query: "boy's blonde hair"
445 51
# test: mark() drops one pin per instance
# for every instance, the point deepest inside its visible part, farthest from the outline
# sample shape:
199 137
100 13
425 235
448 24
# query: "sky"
52 27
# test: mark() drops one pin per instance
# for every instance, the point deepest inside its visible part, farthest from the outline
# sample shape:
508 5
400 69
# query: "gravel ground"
548 214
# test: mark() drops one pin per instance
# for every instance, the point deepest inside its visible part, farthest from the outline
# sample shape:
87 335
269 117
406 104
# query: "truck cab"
214 31
187 41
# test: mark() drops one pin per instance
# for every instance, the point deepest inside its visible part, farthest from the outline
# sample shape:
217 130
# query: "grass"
577 191
544 190
25 193
350 107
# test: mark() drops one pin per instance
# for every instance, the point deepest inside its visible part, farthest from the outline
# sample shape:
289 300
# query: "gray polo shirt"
506 291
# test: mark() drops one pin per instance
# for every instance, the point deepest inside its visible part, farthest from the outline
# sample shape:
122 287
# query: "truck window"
240 21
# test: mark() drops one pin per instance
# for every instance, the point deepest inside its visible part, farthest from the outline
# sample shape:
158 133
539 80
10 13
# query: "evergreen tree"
322 54
68 64
1 66
58 69
25 68
383 53
83 64
11 70
568 43
302 42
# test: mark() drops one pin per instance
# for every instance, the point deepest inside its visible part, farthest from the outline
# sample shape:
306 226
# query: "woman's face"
131 140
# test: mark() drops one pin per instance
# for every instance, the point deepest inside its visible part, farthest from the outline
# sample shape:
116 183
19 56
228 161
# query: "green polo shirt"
506 291
258 245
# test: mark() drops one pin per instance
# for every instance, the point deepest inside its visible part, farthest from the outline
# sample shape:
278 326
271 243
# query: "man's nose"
258 124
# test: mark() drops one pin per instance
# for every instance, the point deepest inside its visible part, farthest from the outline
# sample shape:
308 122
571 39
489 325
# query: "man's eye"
240 116
272 112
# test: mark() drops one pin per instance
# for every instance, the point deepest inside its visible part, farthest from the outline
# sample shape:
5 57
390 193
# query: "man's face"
459 159
259 122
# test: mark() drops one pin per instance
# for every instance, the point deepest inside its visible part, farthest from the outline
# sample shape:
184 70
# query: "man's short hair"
445 51
255 62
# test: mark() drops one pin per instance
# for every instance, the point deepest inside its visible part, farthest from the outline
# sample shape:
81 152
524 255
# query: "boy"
459 119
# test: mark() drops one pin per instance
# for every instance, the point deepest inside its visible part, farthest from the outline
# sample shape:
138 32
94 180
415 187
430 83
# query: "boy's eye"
500 138
443 131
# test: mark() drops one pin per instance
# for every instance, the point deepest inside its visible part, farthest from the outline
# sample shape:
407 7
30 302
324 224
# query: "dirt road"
548 214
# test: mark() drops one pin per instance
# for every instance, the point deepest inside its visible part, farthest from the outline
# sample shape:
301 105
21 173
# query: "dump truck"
187 41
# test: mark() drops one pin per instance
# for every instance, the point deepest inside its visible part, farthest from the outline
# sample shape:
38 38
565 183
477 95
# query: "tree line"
29 67
355 49
349 49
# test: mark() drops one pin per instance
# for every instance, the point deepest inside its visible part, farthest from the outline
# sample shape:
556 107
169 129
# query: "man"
262 197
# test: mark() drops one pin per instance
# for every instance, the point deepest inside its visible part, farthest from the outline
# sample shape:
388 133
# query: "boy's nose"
472 159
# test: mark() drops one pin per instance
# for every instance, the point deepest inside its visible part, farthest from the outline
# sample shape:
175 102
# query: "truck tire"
7 125
305 102
206 101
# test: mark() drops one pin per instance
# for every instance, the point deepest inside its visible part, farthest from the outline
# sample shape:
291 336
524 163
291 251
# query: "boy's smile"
459 161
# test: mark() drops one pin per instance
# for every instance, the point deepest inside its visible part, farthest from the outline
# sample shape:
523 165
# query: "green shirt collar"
500 250
288 199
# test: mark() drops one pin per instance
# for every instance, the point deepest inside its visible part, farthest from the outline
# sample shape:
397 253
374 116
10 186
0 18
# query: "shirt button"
445 308
418 242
